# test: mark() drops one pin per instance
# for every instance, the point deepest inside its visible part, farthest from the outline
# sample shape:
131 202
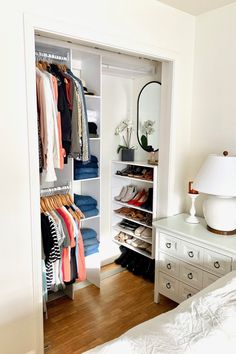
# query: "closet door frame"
80 34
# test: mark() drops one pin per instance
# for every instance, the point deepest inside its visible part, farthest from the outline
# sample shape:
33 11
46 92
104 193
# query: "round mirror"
148 115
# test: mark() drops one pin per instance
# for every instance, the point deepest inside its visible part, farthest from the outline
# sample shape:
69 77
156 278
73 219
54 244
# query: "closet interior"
107 85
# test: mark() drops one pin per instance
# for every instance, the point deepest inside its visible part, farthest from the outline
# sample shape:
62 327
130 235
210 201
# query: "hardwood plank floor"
96 316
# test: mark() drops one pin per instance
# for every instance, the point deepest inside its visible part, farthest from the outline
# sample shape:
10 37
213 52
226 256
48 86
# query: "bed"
205 323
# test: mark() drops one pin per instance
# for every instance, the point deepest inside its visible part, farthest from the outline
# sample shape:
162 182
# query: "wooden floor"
96 316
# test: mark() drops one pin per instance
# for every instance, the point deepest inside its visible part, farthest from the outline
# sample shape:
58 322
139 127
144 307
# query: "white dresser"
189 257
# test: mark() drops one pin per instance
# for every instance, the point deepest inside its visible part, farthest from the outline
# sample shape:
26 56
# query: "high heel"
130 194
137 197
142 200
122 193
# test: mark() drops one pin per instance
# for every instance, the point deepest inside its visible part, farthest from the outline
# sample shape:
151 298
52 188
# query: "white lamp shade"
217 176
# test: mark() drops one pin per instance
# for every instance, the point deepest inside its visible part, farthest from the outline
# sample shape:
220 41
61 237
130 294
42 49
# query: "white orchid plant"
147 129
125 130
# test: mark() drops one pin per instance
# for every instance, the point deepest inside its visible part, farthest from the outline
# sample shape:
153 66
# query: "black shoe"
148 204
123 250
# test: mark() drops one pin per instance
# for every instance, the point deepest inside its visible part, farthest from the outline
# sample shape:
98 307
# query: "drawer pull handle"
189 295
216 264
191 254
168 266
168 285
168 244
190 275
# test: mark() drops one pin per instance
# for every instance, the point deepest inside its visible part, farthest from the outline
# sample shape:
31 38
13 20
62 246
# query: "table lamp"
217 177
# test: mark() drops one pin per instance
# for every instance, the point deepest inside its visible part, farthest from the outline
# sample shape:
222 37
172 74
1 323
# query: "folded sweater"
88 233
84 200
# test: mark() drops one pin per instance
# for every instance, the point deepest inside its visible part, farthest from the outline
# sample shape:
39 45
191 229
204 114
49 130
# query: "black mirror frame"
150 149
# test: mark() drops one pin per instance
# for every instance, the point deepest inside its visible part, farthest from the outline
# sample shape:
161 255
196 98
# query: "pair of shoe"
127 193
127 224
122 237
148 203
140 198
144 232
140 244
136 215
127 170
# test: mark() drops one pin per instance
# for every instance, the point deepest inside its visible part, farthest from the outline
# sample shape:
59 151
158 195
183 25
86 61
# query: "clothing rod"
51 56
119 68
54 190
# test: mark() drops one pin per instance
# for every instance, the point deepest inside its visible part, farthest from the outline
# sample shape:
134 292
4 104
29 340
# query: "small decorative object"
217 177
193 194
153 158
125 130
147 129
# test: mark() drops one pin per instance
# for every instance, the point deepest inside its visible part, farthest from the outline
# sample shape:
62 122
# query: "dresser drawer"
168 264
191 253
191 275
216 262
208 279
168 285
168 243
186 291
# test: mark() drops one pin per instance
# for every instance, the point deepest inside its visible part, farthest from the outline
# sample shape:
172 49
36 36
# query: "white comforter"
206 323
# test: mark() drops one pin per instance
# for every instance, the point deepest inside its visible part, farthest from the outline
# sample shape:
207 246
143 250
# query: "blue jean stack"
87 204
91 243
86 170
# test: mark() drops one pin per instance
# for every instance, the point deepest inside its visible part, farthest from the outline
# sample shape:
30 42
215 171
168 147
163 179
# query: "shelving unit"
118 182
87 66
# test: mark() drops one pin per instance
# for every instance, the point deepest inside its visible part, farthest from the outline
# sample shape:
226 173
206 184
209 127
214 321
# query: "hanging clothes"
62 115
62 243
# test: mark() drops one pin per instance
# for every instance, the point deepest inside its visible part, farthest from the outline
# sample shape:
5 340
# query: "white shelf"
136 249
93 96
137 222
134 163
130 233
132 206
94 139
90 217
134 179
86 179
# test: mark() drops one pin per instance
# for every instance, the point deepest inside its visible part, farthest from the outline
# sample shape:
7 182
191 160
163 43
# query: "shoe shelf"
134 163
134 179
136 249
149 185
132 206
130 233
122 216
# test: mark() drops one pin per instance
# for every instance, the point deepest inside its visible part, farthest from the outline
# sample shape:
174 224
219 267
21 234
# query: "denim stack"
91 243
87 204
86 170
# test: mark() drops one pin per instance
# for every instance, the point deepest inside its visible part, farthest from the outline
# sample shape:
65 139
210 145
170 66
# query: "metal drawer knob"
168 244
216 264
189 295
191 254
168 266
168 285
190 275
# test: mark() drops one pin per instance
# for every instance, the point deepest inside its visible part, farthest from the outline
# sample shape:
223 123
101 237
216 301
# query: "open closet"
111 84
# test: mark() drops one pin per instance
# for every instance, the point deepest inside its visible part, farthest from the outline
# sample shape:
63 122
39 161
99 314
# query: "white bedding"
205 323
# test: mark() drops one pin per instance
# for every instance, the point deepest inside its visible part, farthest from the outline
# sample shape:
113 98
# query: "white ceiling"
196 7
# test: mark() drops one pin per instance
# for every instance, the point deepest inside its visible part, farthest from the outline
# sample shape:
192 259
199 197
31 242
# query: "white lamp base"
220 214
192 219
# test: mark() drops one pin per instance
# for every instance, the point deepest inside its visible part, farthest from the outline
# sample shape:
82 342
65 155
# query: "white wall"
144 25
214 97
